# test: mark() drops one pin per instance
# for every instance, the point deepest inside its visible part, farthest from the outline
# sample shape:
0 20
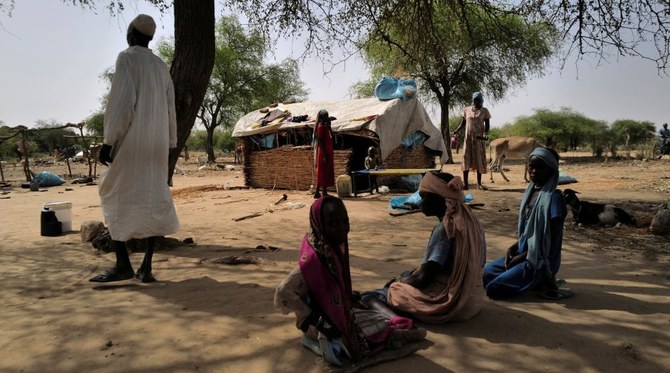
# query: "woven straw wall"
291 167
287 167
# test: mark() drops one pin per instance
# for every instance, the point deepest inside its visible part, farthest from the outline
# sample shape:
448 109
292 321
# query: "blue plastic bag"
47 179
412 202
392 88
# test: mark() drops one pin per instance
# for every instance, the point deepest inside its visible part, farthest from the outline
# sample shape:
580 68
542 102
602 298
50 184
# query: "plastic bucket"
63 212
343 185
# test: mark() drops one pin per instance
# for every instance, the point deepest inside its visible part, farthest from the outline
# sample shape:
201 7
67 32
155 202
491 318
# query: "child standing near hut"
372 162
324 162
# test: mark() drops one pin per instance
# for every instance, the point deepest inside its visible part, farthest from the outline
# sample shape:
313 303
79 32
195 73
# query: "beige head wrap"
144 24
459 296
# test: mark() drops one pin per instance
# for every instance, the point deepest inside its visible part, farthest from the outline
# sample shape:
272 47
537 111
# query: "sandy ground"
209 317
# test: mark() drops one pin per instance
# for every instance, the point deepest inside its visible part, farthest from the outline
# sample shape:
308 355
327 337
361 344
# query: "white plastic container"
63 212
343 185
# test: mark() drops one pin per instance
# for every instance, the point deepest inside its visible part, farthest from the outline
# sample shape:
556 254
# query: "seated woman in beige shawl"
447 286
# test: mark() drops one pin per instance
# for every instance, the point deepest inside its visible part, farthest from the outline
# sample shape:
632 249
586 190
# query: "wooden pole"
69 169
87 151
2 174
26 162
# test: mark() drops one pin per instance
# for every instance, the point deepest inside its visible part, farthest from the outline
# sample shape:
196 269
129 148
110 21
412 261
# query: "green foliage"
7 147
455 51
495 133
46 138
241 81
628 132
364 89
564 129
95 123
225 140
197 140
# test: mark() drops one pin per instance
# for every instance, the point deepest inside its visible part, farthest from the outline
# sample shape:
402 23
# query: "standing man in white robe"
140 127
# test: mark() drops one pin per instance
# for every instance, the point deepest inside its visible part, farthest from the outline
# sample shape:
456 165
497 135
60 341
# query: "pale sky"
52 55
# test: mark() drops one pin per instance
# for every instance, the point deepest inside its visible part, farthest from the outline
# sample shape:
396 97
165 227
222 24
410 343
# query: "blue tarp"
416 138
47 179
392 88
412 202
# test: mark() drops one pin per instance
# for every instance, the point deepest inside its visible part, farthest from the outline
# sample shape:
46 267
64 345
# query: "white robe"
140 125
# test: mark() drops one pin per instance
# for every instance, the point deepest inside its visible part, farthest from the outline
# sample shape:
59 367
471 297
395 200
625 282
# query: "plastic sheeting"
394 121
391 88
47 179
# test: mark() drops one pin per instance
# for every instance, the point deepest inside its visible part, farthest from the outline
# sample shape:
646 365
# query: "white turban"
144 24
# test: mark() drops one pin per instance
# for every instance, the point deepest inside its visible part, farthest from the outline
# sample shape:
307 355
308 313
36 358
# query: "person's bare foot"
482 187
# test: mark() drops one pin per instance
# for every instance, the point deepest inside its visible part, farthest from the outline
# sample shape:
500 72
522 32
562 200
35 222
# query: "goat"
239 154
517 147
202 160
588 213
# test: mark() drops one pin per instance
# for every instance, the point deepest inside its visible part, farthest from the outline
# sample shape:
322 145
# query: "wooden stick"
254 215
402 213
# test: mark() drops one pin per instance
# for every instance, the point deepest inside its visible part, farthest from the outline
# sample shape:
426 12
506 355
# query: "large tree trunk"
444 125
192 65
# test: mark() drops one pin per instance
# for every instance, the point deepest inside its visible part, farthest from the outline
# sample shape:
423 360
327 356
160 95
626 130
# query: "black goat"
588 213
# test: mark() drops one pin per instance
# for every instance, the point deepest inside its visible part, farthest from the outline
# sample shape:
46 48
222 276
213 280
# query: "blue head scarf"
537 227
477 95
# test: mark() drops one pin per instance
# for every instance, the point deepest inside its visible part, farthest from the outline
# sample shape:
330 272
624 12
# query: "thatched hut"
278 151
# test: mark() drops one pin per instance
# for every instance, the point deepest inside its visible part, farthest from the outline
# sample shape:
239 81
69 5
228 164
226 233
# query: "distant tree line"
567 129
43 140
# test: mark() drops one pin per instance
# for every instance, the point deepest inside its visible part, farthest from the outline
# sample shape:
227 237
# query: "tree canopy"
240 80
334 29
567 129
454 54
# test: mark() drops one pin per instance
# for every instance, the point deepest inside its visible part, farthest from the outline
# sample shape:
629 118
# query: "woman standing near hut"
323 144
476 121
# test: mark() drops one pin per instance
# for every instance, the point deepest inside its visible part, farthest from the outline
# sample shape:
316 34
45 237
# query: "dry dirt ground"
207 317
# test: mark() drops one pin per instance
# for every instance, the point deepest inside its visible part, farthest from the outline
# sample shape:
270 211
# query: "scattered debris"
82 180
254 215
282 199
402 213
287 206
630 351
235 201
235 260
264 248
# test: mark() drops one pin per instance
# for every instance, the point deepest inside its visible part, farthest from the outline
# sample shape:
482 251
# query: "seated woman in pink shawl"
335 324
447 286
